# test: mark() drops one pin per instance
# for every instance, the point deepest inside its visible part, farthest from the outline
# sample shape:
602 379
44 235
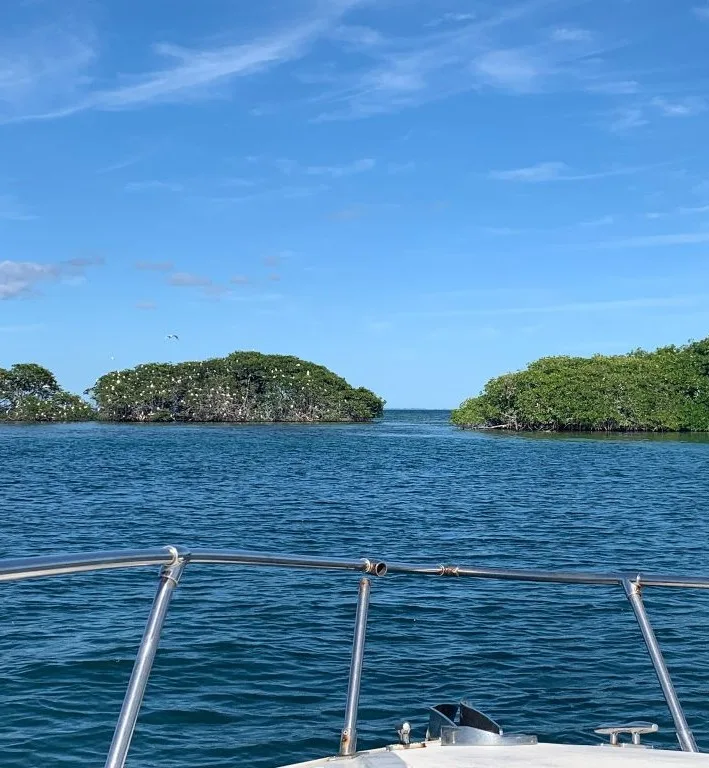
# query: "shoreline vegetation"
662 391
243 387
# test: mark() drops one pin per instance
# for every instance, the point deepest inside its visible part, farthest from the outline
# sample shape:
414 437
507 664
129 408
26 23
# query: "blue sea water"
253 664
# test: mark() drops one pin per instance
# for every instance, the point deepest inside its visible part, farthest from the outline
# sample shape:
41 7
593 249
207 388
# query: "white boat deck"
433 755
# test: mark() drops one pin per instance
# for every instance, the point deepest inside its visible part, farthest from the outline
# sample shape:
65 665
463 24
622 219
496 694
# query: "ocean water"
253 664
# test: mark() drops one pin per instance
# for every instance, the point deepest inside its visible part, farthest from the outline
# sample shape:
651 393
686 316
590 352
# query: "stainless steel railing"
173 561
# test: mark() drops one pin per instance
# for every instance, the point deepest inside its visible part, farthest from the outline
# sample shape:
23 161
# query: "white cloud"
602 221
22 278
44 73
153 185
614 87
337 171
47 74
684 108
532 173
357 36
694 209
557 171
570 34
187 279
650 241
515 70
627 118
155 266
452 18
406 71
120 164
18 278
609 305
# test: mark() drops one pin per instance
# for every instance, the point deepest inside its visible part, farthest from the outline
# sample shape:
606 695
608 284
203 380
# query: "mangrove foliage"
29 392
665 390
242 387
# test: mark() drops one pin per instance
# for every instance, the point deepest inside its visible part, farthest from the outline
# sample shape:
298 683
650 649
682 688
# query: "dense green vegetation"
29 392
665 390
242 387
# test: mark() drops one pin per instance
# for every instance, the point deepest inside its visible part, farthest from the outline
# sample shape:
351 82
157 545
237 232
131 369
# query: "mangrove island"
241 387
662 391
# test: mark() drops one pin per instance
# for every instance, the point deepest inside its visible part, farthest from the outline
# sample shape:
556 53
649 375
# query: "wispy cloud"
625 119
188 279
394 168
155 266
575 307
640 113
570 34
614 87
451 18
510 69
694 209
337 171
550 171
119 165
48 74
683 108
80 262
601 221
23 278
146 305
555 171
651 241
153 185
702 12
290 192
465 52
44 73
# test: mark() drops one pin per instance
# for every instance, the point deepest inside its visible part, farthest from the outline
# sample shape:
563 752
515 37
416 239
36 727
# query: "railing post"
169 577
684 734
348 737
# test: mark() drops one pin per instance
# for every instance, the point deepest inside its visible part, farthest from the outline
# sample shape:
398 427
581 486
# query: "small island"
241 387
662 391
30 393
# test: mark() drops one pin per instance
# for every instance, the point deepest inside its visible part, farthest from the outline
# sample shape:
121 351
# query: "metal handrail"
173 561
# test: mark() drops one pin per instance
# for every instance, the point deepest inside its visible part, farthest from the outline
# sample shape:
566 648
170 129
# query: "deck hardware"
404 731
634 729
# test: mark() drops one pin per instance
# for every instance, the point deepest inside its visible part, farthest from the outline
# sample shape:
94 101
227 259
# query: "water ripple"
253 665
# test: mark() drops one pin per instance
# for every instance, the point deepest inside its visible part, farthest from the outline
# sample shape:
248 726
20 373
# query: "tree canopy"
242 387
29 392
664 390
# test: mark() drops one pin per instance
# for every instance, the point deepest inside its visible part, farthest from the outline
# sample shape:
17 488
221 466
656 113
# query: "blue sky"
419 194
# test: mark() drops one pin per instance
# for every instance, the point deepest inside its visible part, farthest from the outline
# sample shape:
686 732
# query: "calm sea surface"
253 665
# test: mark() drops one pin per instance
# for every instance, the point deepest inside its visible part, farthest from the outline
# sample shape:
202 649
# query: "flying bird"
172 336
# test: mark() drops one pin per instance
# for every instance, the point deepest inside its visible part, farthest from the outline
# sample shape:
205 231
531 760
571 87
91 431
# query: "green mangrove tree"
242 387
29 392
664 390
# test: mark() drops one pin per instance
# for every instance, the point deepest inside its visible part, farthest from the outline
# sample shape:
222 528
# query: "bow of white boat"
434 755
